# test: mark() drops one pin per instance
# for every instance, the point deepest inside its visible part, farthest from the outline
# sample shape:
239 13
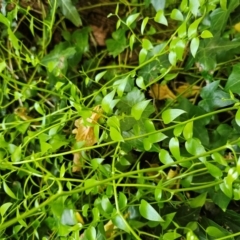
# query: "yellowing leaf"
186 90
160 92
85 132
237 27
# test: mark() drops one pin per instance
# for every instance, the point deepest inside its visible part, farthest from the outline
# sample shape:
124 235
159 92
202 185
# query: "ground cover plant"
120 120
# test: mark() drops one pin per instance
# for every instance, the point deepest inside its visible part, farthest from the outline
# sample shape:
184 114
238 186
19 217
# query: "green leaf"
121 85
176 15
194 147
122 200
219 17
146 44
116 135
113 122
89 185
118 43
90 233
213 170
168 220
213 97
160 18
192 30
4 208
106 204
108 103
219 158
157 137
170 114
56 60
140 83
171 235
182 30
62 170
99 76
174 148
215 232
172 57
194 46
131 19
206 34
199 201
148 212
142 55
237 117
178 130
17 154
120 222
147 144
68 217
233 82
188 130
3 65
158 5
38 108
8 191
132 41
144 23
165 157
193 6
70 12
138 109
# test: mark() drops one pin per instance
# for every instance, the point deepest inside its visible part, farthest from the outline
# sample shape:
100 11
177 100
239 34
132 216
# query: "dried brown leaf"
160 92
187 90
85 132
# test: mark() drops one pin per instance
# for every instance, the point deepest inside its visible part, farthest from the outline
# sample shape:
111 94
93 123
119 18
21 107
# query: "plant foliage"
121 127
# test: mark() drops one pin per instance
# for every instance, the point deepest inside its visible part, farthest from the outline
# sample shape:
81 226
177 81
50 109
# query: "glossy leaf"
199 201
176 15
233 82
213 170
138 109
8 191
142 55
131 19
115 135
182 30
193 6
192 30
160 18
194 147
70 12
165 157
120 222
106 204
172 57
206 34
158 5
108 103
174 148
144 23
140 83
99 76
188 130
170 115
146 44
148 212
132 41
194 45
17 154
215 232
4 207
